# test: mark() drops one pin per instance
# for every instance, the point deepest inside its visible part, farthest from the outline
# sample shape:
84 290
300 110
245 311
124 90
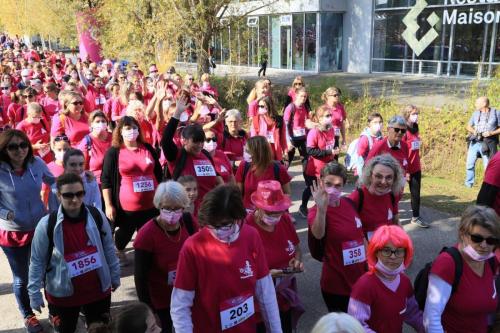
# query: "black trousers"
306 194
128 223
415 184
165 319
263 67
301 146
94 312
286 323
335 303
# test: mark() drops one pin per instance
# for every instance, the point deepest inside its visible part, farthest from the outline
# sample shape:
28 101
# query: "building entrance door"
286 47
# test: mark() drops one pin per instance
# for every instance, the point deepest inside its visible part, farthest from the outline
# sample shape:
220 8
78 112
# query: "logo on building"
410 34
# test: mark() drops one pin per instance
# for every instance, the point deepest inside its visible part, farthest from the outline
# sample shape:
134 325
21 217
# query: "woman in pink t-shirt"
331 97
382 299
130 174
72 120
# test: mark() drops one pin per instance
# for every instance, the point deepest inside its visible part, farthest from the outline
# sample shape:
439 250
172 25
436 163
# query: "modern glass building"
436 37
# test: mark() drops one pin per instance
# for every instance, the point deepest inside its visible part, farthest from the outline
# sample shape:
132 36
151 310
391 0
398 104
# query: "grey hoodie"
21 195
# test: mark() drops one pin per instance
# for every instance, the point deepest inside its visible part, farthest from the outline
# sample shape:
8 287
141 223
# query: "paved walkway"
415 89
428 242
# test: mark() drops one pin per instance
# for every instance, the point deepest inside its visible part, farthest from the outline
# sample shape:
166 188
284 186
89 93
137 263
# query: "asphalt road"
427 242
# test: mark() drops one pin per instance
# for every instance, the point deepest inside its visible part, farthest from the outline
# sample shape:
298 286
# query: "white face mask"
99 127
247 157
184 117
376 127
326 121
226 234
413 118
130 135
35 120
59 155
210 146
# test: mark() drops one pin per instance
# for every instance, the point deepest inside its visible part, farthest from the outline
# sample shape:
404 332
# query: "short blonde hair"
330 91
205 77
171 192
406 112
34 107
388 161
337 323
132 106
481 216
67 98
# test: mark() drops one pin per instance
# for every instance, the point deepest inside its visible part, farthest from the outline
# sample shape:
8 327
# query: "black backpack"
96 215
421 282
187 221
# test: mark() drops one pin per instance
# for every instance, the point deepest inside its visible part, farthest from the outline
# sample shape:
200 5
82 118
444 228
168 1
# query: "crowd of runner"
93 153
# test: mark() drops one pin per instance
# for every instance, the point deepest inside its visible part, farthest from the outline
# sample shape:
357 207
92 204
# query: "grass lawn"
446 195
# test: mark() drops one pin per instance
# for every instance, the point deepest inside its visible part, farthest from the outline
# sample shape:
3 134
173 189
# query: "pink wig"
385 234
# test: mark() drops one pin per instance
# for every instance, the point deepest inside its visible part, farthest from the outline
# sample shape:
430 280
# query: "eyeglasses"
214 139
121 77
15 146
397 130
297 84
479 239
387 252
77 103
262 107
72 195
61 138
5 88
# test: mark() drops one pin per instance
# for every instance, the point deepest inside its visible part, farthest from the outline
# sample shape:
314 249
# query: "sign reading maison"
470 16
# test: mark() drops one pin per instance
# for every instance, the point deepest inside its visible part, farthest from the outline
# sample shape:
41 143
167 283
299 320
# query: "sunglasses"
5 88
71 195
77 103
28 96
397 130
262 107
297 84
479 239
6 127
61 138
387 252
214 139
15 146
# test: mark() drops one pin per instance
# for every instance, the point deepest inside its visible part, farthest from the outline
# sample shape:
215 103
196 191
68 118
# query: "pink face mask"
270 220
334 195
170 216
469 250
379 266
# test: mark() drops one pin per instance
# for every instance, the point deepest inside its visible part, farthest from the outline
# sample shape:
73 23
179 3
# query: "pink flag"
86 26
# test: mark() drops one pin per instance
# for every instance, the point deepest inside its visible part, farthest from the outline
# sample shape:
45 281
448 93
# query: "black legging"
415 181
165 319
263 67
334 302
306 194
128 223
301 146
286 323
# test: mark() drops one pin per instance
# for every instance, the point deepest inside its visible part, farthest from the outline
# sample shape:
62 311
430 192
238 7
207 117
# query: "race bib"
82 262
415 145
353 252
330 145
337 131
270 137
143 184
171 277
299 132
203 168
235 311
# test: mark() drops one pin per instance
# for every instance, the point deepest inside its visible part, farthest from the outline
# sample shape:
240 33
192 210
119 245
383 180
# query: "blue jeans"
472 155
19 261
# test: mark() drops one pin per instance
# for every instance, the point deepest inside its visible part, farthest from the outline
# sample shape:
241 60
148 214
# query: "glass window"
298 41
286 47
225 46
310 42
244 44
275 42
387 39
331 42
263 38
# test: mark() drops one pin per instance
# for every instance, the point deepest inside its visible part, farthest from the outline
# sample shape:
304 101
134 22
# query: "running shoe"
55 322
419 222
32 324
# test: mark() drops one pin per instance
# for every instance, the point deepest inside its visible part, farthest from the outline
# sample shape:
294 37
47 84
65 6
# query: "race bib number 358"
353 252
235 311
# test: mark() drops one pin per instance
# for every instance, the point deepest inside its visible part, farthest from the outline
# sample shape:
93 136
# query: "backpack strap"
361 199
187 219
246 168
457 258
290 121
96 215
276 170
50 236
180 163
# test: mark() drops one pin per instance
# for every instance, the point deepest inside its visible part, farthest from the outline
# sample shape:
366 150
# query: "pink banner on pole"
86 26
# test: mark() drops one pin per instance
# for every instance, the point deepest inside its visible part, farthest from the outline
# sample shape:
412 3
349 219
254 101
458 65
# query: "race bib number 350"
203 168
235 311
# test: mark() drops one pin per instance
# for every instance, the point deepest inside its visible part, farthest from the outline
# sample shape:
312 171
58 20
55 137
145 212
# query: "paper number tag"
241 308
203 168
337 131
85 263
299 132
143 184
415 145
353 252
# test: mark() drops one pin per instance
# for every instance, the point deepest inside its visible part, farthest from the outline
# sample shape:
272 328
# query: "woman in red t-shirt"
413 142
321 149
335 221
72 120
269 124
259 165
130 174
469 308
222 272
157 246
222 164
383 297
281 246
377 199
135 109
261 89
95 144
